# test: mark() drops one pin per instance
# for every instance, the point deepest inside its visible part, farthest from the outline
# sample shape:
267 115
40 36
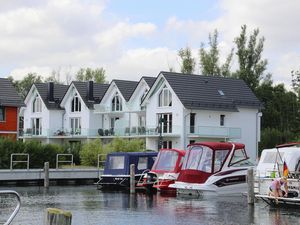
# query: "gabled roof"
59 91
149 80
210 92
126 87
8 94
98 91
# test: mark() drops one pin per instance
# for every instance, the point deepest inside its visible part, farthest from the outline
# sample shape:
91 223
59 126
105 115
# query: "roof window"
221 92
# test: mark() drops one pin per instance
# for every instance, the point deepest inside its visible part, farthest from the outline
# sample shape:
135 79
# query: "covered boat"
271 166
116 174
164 172
213 168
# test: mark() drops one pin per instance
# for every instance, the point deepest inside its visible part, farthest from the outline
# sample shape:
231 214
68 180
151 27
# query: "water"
90 206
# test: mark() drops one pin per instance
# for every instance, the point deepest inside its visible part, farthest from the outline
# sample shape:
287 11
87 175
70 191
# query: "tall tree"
24 85
296 81
209 59
249 51
188 62
86 74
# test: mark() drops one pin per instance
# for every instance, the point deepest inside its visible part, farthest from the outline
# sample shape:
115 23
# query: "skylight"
221 92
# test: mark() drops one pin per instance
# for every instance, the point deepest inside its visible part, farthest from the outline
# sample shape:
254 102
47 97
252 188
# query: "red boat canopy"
219 145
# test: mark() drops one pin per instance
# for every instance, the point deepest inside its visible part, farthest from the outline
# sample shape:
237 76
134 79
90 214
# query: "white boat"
270 166
214 168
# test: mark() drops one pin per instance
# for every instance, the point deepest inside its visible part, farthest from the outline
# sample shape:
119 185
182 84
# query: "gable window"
142 98
36 126
76 104
37 104
2 113
75 126
165 97
222 120
116 103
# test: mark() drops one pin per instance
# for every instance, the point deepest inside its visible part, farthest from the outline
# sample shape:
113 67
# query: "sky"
134 38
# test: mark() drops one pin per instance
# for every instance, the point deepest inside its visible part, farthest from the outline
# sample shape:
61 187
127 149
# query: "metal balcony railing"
215 132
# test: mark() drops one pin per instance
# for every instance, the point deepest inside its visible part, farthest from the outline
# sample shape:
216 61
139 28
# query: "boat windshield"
166 160
240 158
199 158
116 162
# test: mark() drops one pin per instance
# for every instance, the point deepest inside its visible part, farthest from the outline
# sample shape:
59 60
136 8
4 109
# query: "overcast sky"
133 38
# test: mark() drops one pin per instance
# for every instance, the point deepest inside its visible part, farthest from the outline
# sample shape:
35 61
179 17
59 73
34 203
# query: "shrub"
89 152
125 145
7 147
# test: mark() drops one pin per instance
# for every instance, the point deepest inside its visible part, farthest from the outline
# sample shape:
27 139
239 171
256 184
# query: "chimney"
90 90
51 92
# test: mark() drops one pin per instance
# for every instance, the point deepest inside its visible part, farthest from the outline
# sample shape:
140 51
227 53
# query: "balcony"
214 132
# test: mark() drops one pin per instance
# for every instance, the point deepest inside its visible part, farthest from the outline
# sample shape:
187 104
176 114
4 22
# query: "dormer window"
37 104
116 103
165 97
76 104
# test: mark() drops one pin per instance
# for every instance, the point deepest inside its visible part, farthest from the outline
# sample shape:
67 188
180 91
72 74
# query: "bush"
7 147
73 149
89 152
125 145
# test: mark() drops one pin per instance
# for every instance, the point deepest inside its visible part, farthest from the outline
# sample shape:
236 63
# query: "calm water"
90 206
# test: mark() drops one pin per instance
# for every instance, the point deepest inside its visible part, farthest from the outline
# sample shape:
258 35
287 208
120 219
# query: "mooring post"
250 181
132 178
46 174
58 217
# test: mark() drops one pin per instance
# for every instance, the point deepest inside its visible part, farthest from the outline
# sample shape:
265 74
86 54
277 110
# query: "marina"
90 206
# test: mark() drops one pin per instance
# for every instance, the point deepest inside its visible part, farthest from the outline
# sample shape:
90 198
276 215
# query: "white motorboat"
214 168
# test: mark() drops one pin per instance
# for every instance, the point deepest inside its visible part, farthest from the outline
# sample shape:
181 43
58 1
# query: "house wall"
11 119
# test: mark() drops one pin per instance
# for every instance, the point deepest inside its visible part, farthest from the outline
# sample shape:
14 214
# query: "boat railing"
16 210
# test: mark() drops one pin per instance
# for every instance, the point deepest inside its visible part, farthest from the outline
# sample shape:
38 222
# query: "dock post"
132 178
58 217
250 181
46 174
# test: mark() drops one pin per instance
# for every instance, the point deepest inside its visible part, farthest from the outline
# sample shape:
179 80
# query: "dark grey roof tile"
8 94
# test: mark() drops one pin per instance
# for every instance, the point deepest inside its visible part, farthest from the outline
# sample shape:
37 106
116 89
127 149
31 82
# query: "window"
165 122
37 104
2 113
238 156
36 126
220 156
167 144
222 120
143 163
192 142
165 97
116 162
76 104
75 126
142 98
113 121
192 122
116 103
166 161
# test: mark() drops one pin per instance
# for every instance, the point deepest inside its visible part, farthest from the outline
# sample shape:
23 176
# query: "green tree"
24 85
209 59
296 81
249 51
89 152
188 62
86 74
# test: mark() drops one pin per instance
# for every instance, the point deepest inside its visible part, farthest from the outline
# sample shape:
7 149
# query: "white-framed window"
76 104
167 144
222 120
116 103
36 126
165 122
37 104
165 97
2 113
75 125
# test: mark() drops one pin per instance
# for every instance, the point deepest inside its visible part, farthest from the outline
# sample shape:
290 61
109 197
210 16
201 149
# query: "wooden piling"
132 178
250 181
46 174
58 217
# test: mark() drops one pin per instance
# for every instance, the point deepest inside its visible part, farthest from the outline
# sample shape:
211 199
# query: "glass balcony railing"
208 131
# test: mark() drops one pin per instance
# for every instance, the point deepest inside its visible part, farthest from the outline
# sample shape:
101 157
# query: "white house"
191 108
43 114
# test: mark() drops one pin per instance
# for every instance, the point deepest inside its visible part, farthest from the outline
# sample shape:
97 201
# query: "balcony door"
165 122
36 126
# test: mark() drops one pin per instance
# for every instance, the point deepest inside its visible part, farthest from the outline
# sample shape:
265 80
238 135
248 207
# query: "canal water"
90 206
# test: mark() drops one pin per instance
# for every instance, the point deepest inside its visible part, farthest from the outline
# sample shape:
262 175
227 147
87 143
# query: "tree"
54 77
188 63
24 85
86 74
251 66
296 81
209 59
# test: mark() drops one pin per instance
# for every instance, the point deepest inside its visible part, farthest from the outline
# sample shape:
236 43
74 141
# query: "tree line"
281 111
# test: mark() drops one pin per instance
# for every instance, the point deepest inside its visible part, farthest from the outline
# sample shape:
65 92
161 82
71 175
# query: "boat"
164 172
116 174
271 166
213 168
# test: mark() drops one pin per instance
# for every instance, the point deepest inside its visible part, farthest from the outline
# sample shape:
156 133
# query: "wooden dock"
58 175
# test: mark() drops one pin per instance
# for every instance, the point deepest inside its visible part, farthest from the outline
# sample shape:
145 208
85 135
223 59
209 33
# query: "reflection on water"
90 206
